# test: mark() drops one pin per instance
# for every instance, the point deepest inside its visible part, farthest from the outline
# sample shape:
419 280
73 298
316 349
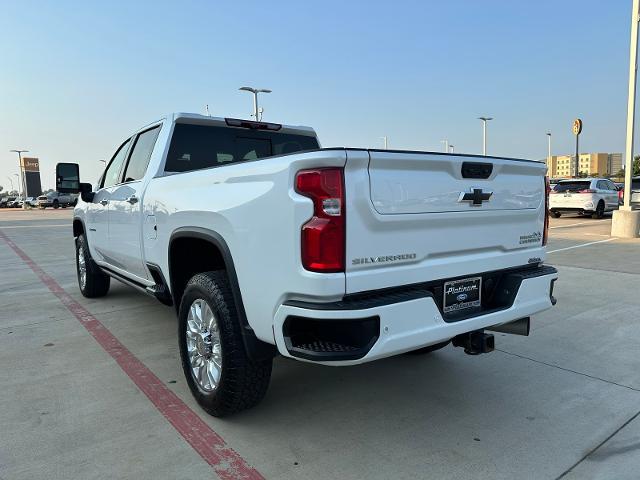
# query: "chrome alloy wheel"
82 267
203 345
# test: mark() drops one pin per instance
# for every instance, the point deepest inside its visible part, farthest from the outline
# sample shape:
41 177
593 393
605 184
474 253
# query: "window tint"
202 146
572 186
253 148
112 174
140 155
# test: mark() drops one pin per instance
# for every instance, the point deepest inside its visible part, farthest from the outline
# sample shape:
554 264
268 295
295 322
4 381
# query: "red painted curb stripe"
226 462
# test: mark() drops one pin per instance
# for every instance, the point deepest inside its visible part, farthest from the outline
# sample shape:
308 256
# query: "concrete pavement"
561 403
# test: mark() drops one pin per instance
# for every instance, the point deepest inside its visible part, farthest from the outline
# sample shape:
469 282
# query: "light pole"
255 92
631 103
549 154
22 179
446 145
549 144
385 139
484 133
626 222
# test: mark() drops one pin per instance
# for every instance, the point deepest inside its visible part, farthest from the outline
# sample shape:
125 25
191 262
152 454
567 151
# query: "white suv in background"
587 196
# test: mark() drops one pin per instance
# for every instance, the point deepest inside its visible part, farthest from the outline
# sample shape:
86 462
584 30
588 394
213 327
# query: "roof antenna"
206 108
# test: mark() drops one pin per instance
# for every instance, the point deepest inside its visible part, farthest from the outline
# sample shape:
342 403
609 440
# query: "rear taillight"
587 190
621 195
547 189
323 236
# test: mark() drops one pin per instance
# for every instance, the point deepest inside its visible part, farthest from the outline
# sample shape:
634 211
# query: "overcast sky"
78 77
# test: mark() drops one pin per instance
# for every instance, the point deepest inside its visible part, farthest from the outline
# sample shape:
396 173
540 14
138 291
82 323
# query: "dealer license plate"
461 295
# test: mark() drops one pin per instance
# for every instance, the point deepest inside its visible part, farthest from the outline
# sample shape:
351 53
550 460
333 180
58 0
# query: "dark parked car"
7 202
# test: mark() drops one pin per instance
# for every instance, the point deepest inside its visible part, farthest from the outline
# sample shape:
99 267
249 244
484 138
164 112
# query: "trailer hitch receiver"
475 343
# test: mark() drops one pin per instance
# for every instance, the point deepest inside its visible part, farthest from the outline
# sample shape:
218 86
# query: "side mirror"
68 178
86 192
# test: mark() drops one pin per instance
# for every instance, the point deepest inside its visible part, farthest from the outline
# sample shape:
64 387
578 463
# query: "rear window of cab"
194 147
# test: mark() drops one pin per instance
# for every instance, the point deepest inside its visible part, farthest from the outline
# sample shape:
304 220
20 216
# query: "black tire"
429 349
56 204
599 213
96 283
243 383
556 214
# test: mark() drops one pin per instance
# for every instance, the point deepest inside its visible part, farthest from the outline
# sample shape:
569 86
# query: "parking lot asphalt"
561 403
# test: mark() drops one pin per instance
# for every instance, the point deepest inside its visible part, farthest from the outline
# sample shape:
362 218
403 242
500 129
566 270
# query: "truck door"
125 207
97 224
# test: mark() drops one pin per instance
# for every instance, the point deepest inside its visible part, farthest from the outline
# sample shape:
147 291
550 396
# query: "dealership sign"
31 171
30 164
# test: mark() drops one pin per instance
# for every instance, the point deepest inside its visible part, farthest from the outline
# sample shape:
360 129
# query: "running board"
159 292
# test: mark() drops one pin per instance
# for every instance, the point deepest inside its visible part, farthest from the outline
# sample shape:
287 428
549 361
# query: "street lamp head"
549 133
19 151
255 90
485 119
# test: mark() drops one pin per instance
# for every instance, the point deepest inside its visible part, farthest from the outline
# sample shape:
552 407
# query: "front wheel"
92 281
221 377
56 204
556 214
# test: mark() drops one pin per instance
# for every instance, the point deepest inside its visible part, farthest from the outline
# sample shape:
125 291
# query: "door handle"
104 202
132 199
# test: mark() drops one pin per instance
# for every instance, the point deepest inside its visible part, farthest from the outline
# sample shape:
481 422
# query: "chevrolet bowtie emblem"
476 196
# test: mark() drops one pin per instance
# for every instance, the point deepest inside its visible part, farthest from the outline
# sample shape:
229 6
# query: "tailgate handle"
476 170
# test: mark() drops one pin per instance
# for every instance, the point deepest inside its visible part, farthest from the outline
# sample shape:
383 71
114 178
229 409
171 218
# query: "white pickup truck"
266 243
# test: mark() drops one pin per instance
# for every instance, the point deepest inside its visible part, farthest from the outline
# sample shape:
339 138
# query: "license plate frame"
462 295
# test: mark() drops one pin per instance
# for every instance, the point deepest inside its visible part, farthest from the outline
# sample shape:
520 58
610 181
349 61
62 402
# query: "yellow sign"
577 126
30 164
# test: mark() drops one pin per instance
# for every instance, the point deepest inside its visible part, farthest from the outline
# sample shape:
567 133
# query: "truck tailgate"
416 217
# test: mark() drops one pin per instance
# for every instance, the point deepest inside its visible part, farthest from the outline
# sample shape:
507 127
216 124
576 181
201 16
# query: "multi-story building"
591 164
